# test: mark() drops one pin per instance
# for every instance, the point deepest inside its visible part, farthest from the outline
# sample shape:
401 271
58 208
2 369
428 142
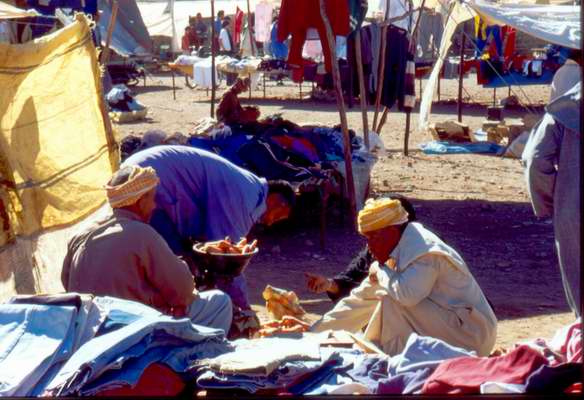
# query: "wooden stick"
341 105
251 39
407 133
383 119
381 73
173 85
362 95
461 74
110 32
213 50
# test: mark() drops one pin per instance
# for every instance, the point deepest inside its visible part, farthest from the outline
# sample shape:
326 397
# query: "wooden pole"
383 119
110 31
412 50
173 85
407 135
461 74
362 95
341 105
381 73
251 38
213 50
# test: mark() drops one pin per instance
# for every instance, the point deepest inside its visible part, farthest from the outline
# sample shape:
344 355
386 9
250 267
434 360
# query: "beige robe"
430 291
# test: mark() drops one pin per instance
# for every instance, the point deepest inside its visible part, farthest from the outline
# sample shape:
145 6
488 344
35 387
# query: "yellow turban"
140 182
380 213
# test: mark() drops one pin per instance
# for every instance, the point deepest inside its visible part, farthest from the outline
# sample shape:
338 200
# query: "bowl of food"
224 258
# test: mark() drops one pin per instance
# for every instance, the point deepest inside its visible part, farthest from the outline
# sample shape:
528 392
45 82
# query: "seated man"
230 110
122 256
418 284
358 269
204 197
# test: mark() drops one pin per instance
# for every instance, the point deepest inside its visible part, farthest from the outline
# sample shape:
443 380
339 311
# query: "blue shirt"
201 195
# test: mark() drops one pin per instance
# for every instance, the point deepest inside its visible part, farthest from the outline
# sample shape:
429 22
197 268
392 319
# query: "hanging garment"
238 25
296 16
278 50
395 67
263 21
429 36
357 13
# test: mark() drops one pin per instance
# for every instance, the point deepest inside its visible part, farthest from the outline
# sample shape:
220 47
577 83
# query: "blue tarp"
437 147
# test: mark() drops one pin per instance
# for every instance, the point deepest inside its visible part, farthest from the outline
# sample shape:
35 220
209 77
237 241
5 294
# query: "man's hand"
183 311
317 283
373 270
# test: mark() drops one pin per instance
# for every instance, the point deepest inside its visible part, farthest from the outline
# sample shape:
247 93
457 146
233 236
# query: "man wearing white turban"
122 256
417 284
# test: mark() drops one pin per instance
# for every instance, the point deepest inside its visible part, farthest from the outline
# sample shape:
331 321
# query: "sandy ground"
478 204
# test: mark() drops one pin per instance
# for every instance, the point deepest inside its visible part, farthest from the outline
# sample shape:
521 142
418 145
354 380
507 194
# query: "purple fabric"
370 371
405 383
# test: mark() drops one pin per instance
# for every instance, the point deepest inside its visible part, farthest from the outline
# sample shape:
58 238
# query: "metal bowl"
225 265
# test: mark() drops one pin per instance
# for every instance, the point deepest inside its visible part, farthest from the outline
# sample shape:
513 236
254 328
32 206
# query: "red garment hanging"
296 16
238 25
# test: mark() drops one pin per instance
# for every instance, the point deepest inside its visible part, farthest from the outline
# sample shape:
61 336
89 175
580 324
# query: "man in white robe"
418 284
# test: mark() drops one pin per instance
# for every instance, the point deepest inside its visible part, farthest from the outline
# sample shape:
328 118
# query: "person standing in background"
552 172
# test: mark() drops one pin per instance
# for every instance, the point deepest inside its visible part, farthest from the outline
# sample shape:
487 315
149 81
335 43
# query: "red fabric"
296 16
157 380
509 34
572 348
464 375
238 25
576 388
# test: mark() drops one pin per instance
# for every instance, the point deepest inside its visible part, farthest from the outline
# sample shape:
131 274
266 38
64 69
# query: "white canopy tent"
170 17
552 23
8 11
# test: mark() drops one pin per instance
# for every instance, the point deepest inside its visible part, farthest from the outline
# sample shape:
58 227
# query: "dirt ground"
477 203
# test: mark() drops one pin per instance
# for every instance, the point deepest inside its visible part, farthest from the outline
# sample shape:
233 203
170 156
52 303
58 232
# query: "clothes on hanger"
263 21
296 16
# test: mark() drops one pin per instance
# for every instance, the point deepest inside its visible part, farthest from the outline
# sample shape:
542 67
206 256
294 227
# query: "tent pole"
383 119
213 49
494 97
362 95
251 38
341 105
110 31
461 74
407 133
381 73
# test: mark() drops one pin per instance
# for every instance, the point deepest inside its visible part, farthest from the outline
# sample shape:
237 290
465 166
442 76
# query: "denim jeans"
133 336
33 338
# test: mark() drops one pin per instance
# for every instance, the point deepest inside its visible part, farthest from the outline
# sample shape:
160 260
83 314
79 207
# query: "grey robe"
552 158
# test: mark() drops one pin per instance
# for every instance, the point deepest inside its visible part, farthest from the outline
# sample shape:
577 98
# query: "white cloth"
224 39
202 74
551 23
565 79
501 387
263 356
263 22
430 292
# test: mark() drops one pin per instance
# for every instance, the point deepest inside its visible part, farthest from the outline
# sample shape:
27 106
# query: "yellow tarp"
54 154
